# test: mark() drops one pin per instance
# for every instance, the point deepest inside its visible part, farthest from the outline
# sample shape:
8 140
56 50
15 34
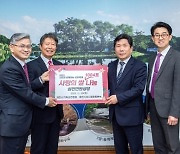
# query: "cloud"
145 22
125 19
170 17
175 22
114 18
36 28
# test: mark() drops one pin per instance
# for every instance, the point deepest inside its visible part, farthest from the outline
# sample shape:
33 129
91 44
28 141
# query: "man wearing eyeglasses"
17 98
163 88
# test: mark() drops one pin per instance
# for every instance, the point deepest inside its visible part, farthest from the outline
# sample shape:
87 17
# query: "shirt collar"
20 61
165 51
45 59
125 61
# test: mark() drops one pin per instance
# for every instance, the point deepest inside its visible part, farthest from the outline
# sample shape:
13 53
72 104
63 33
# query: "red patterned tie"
26 71
50 63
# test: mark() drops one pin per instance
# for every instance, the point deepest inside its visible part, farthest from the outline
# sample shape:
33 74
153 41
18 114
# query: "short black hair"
161 24
49 35
124 36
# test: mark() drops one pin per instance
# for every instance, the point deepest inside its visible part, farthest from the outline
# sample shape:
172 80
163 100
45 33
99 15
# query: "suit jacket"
167 86
47 115
129 110
16 100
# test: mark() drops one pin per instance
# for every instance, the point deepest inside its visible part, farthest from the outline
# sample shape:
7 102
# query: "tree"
4 52
175 42
4 39
103 34
141 41
80 35
73 34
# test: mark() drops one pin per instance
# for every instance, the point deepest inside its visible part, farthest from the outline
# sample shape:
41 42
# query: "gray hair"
18 36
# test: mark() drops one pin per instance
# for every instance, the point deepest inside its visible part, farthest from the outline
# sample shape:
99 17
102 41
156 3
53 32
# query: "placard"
78 83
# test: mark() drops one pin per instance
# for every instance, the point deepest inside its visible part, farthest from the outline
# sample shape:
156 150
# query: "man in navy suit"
46 121
127 78
17 98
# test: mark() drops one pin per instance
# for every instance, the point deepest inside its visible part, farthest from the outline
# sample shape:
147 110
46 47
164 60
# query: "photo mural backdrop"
86 30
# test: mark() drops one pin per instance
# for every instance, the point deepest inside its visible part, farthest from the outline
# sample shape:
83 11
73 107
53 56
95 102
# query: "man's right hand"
52 102
45 76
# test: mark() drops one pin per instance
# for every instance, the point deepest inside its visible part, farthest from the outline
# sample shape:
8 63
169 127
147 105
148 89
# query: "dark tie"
154 77
120 71
26 71
50 63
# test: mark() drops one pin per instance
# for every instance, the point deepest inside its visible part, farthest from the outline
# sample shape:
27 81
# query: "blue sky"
37 17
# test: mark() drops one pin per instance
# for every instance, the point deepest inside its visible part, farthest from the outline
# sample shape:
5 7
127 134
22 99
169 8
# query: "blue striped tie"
120 71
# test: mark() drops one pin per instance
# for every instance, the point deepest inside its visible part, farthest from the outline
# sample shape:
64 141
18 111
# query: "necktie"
50 63
156 69
120 71
26 71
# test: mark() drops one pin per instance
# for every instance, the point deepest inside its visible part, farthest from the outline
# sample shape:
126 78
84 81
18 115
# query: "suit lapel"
150 66
127 68
13 60
42 65
114 71
165 61
55 62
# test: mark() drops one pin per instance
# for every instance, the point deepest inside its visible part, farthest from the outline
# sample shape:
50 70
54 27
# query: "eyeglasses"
163 35
22 46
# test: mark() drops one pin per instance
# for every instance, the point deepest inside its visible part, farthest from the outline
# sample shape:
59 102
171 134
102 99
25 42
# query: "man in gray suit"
163 91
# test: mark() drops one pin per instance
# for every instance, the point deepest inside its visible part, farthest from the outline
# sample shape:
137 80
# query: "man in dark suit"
127 78
163 91
17 98
46 122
